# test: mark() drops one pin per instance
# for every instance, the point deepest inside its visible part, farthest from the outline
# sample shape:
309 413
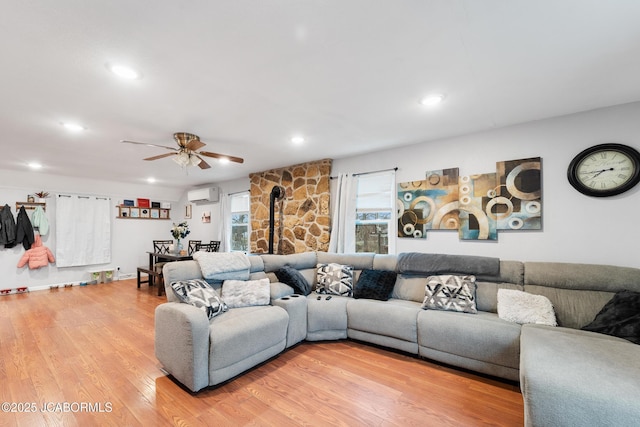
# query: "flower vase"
177 247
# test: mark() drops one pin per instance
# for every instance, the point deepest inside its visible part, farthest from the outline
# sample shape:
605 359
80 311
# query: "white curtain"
343 218
225 218
83 230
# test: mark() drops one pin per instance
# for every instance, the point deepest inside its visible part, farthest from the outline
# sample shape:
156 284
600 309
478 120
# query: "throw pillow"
375 284
200 294
619 317
451 292
335 279
241 293
523 307
292 277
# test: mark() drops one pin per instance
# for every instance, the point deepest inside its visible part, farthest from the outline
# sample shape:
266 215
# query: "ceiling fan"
187 153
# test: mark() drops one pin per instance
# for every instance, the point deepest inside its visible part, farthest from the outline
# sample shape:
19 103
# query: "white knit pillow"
522 307
241 293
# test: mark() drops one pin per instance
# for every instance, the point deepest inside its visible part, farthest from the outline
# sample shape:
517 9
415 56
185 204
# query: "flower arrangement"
180 231
42 194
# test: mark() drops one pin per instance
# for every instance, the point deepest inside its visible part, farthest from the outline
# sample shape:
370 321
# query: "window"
374 213
240 222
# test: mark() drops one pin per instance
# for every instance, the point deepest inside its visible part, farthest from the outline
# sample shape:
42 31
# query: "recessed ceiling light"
432 100
223 160
73 127
297 139
151 180
35 165
123 71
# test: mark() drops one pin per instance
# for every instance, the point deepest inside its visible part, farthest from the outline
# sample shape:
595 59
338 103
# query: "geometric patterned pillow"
335 279
451 292
200 294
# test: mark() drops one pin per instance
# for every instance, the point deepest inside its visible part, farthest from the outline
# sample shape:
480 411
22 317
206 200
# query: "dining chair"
193 246
162 246
208 247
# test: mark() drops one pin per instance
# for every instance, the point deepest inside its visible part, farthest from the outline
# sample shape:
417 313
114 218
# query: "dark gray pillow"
619 317
292 277
375 284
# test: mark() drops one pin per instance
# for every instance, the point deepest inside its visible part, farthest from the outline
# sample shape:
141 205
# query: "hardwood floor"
83 356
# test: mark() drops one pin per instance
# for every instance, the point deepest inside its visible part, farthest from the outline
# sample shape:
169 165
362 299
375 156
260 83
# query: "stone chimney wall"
302 216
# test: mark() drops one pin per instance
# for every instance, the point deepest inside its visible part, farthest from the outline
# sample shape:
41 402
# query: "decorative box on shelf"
142 212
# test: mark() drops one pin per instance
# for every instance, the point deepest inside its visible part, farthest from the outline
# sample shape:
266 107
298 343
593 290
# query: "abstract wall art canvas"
477 206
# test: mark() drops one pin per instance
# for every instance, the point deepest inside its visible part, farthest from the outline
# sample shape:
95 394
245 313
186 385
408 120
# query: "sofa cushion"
200 294
393 318
451 292
574 308
244 337
578 378
483 337
298 261
431 264
335 279
410 288
295 279
522 307
245 293
619 317
326 319
487 294
375 284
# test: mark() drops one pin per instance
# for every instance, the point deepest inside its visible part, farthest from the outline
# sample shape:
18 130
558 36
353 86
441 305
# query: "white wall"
131 238
210 231
576 228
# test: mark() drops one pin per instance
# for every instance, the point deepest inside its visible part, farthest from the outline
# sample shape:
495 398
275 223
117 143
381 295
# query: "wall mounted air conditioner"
200 195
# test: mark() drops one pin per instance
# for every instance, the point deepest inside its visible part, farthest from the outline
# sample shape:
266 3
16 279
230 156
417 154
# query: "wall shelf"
137 212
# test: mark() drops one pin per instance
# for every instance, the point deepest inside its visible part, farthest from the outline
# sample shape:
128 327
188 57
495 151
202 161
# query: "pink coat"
38 256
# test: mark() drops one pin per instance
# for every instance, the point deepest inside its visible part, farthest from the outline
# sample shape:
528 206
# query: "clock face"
605 170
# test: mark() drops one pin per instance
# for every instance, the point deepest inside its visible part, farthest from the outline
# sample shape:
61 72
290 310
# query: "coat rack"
31 205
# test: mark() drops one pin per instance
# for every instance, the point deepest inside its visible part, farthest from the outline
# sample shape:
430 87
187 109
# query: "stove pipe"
276 193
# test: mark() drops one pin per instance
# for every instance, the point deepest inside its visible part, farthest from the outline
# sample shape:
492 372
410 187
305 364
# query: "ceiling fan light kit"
187 153
184 159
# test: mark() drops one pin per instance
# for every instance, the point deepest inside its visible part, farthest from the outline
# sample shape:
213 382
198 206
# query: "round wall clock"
605 170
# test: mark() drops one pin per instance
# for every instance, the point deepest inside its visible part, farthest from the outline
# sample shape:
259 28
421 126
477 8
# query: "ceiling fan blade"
203 164
221 156
150 145
160 156
195 144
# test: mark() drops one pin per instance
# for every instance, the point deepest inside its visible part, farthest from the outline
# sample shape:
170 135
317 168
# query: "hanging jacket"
7 227
39 220
38 256
24 233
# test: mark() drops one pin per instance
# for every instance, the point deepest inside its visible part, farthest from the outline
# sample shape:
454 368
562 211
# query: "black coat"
24 233
7 227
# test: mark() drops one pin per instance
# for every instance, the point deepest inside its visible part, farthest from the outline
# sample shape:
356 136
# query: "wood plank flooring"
83 356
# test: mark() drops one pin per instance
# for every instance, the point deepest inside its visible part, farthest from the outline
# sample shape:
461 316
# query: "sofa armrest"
182 343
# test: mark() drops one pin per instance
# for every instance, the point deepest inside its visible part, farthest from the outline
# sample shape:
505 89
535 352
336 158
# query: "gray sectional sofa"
568 377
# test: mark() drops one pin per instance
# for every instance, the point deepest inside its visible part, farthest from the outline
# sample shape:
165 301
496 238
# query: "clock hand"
599 172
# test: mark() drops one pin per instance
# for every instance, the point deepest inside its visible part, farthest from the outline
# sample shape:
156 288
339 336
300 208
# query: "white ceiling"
248 75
